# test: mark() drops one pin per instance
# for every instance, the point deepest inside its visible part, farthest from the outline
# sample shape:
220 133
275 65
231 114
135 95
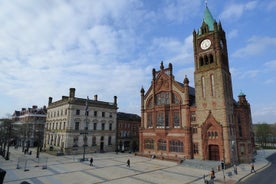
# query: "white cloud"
264 113
179 10
271 6
233 33
235 11
271 65
256 45
241 74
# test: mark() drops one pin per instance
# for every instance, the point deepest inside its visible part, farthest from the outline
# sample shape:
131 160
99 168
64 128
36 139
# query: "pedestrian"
235 169
252 168
91 161
212 174
128 163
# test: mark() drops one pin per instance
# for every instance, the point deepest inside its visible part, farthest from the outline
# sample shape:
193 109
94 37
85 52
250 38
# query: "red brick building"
128 132
204 122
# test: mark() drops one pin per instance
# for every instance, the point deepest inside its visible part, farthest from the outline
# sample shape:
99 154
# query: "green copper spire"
208 19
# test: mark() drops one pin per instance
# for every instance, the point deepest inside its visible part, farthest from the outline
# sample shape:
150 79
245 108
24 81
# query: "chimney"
115 100
95 97
50 100
72 92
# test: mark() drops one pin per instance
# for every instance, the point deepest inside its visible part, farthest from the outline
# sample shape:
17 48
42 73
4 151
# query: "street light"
85 129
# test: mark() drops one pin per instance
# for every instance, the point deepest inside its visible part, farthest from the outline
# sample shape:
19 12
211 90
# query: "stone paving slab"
111 168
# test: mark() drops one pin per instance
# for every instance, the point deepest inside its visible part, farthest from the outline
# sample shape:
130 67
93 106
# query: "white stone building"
78 125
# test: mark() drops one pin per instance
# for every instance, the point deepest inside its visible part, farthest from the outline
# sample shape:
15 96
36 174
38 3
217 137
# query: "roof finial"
206 2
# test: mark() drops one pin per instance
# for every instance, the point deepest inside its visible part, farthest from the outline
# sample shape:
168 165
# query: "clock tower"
213 91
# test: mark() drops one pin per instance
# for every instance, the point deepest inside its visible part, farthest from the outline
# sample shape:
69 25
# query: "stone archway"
212 144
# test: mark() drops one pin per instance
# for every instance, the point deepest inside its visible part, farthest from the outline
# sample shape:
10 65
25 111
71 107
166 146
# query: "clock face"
205 44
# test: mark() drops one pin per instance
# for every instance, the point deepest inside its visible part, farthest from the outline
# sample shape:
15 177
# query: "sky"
109 48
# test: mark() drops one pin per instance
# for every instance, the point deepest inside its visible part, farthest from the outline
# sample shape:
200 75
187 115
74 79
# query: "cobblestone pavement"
112 168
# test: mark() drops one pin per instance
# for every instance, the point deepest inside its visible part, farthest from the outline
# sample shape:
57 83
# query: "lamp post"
85 129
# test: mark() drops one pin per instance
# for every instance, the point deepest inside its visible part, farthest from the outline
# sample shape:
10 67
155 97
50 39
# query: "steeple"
208 21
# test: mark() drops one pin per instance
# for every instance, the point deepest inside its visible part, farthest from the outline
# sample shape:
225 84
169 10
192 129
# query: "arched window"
201 61
211 58
212 85
203 86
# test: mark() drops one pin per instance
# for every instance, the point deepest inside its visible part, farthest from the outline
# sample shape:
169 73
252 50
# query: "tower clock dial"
205 44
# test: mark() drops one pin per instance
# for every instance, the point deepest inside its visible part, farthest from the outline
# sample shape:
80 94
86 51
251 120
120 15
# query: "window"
86 113
110 114
77 125
160 120
95 113
149 119
176 119
212 85
94 141
77 112
95 126
103 126
203 87
103 114
149 144
194 129
162 144
163 98
109 140
75 140
167 114
176 146
110 126
201 61
195 148
64 125
193 116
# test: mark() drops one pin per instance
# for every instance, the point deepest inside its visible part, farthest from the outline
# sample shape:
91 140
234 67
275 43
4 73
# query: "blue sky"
109 48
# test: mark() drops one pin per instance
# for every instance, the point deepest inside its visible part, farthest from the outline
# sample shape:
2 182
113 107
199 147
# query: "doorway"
214 152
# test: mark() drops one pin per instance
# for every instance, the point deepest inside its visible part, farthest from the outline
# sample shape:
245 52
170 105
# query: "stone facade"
205 122
76 125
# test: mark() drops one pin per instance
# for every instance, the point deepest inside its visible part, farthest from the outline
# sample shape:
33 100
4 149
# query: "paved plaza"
112 168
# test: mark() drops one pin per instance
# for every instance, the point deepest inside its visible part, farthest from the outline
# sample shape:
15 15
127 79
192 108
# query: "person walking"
212 174
91 161
252 168
128 163
235 169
